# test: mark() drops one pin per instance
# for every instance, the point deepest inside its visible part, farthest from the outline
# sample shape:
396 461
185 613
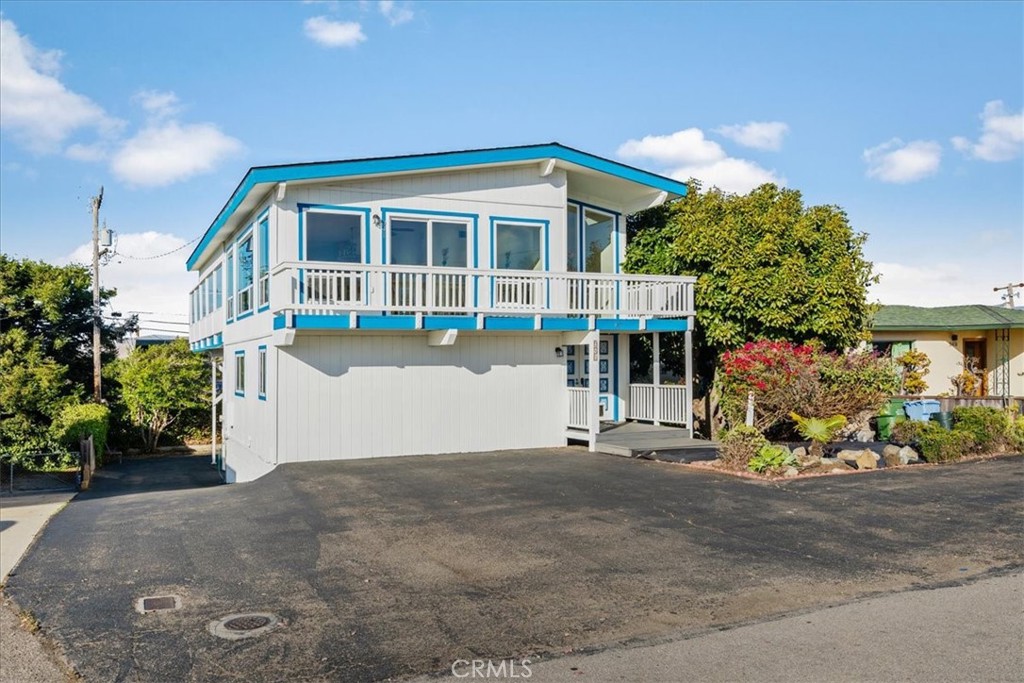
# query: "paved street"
398 567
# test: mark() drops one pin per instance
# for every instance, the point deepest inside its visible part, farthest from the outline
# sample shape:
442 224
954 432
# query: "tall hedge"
81 420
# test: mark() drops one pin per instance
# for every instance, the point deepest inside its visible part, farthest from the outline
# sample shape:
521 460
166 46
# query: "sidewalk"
22 517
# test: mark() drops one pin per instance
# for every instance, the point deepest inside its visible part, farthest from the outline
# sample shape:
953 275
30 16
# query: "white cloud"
157 103
330 33
394 13
95 152
939 284
689 154
896 162
1002 135
165 153
159 286
39 110
766 135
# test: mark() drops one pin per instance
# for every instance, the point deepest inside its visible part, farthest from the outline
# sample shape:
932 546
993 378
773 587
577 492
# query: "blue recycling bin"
921 411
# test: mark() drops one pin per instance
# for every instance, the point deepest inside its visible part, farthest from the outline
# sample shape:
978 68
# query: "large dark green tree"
46 317
768 267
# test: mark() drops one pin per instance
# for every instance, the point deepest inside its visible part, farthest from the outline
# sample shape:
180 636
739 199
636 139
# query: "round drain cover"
249 622
245 625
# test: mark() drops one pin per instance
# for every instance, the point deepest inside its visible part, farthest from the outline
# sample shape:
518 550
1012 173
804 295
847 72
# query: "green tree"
159 384
768 267
34 390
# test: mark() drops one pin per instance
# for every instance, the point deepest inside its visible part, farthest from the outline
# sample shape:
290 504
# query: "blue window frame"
229 274
240 373
261 372
244 256
218 276
263 270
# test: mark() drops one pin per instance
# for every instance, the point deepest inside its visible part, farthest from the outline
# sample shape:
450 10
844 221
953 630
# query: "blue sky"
906 115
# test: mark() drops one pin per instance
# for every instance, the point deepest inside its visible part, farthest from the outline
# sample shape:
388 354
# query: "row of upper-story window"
443 239
413 238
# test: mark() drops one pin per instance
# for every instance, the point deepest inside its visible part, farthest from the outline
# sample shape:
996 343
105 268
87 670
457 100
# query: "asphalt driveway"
392 567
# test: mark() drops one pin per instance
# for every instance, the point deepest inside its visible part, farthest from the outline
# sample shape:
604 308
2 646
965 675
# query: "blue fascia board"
618 324
667 325
564 324
449 322
387 322
311 321
425 162
507 323
279 322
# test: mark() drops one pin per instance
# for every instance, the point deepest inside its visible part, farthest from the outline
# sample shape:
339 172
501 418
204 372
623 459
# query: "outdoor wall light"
559 352
376 220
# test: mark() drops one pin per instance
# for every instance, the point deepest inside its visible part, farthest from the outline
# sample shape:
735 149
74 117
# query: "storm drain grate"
157 603
249 622
247 625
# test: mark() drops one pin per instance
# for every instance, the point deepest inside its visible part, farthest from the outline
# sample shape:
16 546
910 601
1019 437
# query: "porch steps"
653 442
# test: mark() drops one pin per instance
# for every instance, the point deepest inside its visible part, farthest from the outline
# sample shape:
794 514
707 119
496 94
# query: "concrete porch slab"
637 439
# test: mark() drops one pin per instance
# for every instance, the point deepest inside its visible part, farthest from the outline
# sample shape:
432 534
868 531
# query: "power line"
150 258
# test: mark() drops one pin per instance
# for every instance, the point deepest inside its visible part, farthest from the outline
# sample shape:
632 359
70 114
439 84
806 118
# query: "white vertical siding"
359 396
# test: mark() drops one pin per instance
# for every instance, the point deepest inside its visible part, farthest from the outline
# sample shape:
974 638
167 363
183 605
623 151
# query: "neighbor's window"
240 373
261 372
245 275
518 246
334 236
264 256
891 349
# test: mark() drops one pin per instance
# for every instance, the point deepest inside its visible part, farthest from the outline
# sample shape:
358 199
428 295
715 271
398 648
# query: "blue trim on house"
279 322
261 350
594 206
240 394
424 162
667 325
312 321
618 324
449 322
210 343
564 324
507 323
387 322
263 230
337 208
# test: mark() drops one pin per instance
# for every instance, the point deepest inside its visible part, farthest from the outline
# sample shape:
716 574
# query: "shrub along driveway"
397 566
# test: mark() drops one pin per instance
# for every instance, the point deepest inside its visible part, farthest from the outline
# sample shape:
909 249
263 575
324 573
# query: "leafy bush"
908 432
805 379
819 431
1015 432
739 445
77 421
987 426
913 367
771 458
940 445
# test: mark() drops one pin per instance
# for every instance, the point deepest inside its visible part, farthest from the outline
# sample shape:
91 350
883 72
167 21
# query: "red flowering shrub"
805 379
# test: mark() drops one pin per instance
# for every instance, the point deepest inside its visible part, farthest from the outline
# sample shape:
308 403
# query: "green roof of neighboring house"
976 317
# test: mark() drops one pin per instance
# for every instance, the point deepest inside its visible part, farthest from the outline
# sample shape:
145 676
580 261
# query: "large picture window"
599 252
245 285
436 243
263 252
332 236
517 246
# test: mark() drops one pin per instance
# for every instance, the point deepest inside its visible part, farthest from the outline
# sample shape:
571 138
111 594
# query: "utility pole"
97 386
1010 294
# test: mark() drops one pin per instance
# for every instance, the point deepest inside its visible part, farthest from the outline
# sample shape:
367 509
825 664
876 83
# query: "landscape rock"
800 453
908 455
830 461
892 459
848 454
791 472
889 451
866 460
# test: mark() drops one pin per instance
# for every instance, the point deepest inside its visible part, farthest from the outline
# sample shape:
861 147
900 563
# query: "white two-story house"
453 302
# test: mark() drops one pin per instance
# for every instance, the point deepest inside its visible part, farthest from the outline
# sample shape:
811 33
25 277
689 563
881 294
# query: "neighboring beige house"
992 335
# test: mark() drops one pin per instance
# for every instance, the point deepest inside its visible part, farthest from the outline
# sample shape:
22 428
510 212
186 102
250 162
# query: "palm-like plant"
818 430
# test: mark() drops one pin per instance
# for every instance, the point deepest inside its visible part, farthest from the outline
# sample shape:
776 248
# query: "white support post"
656 377
594 383
213 409
688 405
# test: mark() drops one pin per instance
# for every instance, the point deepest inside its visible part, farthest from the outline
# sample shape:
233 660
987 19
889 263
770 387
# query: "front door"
975 360
577 368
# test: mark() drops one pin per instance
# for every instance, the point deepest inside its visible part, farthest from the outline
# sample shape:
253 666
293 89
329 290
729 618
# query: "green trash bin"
892 413
944 420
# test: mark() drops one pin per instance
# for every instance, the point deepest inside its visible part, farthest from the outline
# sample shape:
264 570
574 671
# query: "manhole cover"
249 622
247 625
157 603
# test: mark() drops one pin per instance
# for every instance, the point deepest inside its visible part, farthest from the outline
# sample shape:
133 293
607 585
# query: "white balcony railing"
323 287
578 412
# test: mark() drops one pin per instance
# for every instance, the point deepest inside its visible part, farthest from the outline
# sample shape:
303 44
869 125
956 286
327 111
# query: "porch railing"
672 399
578 407
324 287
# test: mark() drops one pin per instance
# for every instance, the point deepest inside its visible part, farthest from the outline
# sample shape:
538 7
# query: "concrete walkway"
25 657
